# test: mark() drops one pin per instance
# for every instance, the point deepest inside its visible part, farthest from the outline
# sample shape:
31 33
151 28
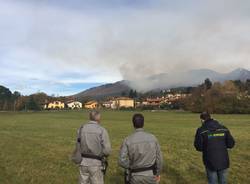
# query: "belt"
91 156
142 169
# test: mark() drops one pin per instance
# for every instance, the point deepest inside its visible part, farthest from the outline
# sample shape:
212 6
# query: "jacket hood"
212 124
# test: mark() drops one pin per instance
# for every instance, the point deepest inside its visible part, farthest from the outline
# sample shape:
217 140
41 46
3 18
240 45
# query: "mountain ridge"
163 81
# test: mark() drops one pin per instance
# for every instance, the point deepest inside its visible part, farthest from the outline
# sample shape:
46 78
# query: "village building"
91 105
107 104
168 99
122 102
138 104
153 101
54 105
174 97
74 105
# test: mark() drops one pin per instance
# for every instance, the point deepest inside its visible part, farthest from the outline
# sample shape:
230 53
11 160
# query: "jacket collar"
139 130
93 122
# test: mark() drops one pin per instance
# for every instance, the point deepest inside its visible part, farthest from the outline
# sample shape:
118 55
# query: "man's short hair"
138 120
94 115
205 116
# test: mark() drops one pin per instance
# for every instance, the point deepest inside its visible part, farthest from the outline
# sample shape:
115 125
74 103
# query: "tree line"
227 97
16 102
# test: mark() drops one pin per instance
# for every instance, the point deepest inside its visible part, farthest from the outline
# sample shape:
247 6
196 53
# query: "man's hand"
158 178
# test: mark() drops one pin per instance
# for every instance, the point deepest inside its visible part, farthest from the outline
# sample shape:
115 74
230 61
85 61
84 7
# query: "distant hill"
164 81
106 90
238 74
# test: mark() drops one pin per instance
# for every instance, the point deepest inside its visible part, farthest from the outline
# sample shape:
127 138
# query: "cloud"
50 45
72 42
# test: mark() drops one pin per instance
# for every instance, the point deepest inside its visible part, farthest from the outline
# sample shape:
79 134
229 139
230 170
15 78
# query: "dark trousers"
217 177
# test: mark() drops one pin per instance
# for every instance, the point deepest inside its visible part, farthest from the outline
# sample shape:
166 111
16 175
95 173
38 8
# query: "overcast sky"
65 46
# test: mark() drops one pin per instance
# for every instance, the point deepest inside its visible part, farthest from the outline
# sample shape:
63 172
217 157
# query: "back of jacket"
140 150
213 139
94 141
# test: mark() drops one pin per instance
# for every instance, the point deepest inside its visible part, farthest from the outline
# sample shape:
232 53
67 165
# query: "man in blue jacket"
213 140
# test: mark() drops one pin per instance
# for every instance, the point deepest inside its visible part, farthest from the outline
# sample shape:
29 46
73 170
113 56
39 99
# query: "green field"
35 147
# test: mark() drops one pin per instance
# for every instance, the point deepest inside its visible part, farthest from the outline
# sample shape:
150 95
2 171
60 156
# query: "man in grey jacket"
95 145
140 154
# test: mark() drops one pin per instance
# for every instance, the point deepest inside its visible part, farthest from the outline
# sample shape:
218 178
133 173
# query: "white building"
74 105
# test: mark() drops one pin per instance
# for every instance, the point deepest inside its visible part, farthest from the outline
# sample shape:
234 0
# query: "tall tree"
32 104
5 98
15 96
208 84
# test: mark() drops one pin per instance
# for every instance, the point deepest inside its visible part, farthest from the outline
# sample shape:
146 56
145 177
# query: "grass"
35 147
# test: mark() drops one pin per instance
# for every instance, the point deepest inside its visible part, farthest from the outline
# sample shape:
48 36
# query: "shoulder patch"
213 135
